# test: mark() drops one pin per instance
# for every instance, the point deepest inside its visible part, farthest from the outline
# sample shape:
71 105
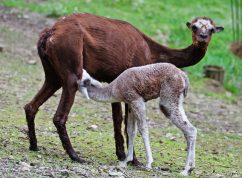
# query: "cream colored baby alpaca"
82 88
137 85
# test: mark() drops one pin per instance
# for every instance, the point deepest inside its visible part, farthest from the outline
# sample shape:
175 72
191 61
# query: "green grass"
168 17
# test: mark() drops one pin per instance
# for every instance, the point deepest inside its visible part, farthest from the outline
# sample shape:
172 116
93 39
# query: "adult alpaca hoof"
135 163
80 160
34 148
121 155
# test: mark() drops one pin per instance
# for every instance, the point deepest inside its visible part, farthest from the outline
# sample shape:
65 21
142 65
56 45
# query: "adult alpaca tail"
41 44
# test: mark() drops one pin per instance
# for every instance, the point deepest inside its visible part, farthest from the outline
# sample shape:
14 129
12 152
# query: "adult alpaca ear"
219 29
188 24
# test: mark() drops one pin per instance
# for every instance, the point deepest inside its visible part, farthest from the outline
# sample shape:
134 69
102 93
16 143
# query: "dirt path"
21 76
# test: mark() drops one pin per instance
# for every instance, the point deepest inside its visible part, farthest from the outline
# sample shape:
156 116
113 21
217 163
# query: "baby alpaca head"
86 81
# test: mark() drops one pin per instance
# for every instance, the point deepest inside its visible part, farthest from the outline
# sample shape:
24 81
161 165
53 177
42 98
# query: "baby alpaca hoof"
148 166
184 173
122 164
187 172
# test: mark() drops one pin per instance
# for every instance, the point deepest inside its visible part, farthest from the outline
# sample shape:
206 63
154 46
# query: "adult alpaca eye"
194 28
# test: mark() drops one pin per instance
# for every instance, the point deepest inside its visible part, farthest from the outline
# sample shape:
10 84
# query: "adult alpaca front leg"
135 161
117 124
131 130
119 140
61 116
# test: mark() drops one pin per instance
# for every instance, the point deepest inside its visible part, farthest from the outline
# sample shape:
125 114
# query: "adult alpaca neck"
179 57
202 29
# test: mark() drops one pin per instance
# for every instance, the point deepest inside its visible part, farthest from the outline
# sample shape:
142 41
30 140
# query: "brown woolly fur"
105 48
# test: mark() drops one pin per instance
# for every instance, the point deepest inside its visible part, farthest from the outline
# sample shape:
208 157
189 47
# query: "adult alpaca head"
202 30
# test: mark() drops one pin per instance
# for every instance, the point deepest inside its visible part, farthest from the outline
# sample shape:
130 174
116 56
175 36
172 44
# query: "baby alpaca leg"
175 112
138 109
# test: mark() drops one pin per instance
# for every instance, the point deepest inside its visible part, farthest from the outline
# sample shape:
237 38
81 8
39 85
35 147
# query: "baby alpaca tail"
186 81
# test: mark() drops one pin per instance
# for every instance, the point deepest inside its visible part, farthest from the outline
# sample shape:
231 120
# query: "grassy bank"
164 21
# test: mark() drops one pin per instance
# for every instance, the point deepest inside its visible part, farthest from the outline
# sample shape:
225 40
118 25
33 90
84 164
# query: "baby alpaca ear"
86 82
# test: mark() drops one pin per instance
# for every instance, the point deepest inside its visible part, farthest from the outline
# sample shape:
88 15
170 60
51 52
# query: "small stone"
164 168
32 62
92 127
25 166
219 176
170 136
228 94
105 167
25 16
215 152
86 122
11 157
35 163
39 156
25 169
115 173
165 173
52 174
64 172
93 171
73 115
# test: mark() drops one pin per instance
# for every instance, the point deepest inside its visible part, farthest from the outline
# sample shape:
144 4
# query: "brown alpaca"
105 48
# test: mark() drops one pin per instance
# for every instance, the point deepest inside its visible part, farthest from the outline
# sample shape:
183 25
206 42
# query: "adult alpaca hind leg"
63 55
48 89
50 86
62 64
